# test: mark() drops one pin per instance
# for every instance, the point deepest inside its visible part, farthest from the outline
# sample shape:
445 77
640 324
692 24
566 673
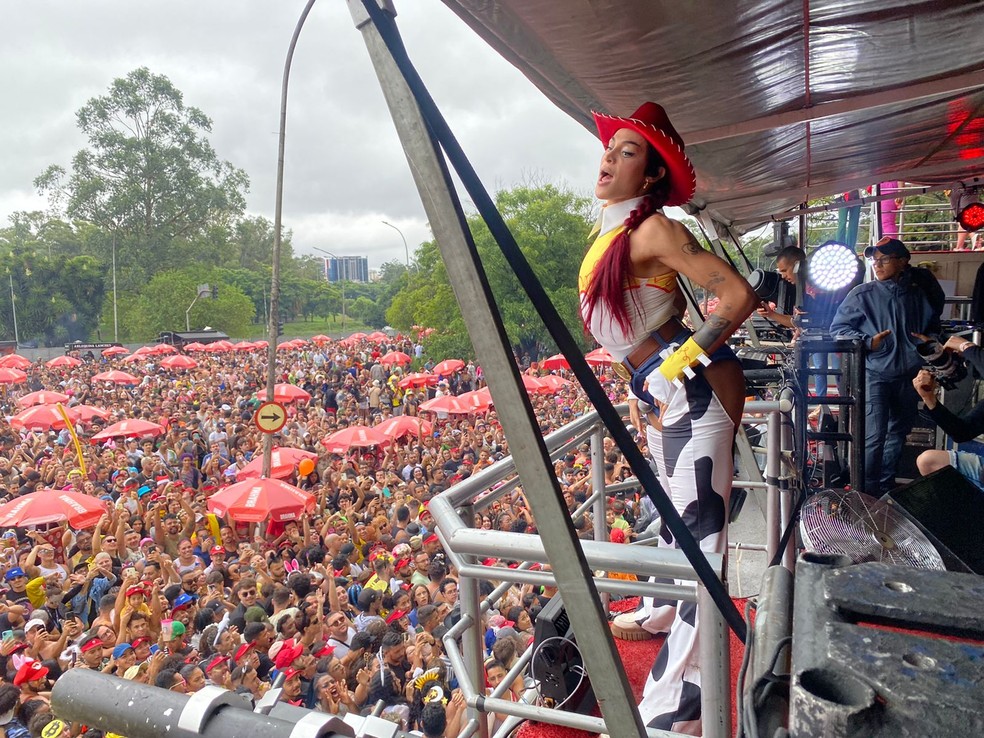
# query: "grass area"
306 329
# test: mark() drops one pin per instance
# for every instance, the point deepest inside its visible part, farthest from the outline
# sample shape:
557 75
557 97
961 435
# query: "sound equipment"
557 665
950 511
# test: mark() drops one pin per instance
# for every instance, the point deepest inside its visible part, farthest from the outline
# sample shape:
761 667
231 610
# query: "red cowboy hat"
651 122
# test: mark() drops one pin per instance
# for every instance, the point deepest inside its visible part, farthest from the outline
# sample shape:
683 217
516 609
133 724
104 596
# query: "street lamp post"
406 248
341 280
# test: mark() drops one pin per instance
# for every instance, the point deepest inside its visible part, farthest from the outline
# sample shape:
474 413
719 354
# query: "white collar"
613 215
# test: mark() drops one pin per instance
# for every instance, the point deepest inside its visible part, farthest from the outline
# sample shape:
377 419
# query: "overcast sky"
345 169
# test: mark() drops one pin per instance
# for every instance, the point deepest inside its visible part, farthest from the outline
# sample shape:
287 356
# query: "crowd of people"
344 607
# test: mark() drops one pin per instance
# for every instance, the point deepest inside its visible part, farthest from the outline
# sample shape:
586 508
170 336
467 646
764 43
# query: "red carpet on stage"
637 659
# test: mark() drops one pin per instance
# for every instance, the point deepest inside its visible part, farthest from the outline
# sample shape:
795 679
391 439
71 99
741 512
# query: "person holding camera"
963 427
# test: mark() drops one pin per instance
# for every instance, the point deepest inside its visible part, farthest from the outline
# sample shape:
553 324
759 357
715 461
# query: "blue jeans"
892 408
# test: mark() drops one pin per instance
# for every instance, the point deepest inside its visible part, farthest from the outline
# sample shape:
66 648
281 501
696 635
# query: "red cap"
326 651
432 538
216 661
136 589
30 671
243 650
89 645
140 641
394 616
290 674
287 654
217 550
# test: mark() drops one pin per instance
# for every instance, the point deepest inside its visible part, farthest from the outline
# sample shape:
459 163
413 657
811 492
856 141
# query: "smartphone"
167 630
8 635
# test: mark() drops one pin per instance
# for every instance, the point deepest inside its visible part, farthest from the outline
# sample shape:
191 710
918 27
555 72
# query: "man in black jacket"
960 428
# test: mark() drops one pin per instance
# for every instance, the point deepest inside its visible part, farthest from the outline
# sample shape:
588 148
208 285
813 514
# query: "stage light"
833 266
765 284
971 218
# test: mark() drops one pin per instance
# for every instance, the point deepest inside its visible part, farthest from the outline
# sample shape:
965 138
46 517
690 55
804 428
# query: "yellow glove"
679 362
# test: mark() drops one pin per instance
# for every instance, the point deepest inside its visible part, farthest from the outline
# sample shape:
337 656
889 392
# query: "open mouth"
604 177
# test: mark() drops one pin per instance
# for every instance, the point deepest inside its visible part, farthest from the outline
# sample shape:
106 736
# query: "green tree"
162 303
149 176
551 226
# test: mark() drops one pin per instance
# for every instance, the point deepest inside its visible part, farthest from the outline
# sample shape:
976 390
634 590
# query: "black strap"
386 26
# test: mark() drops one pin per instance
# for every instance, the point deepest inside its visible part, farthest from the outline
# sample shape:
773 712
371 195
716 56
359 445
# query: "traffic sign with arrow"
270 417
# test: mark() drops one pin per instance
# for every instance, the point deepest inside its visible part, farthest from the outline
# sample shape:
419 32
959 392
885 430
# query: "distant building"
347 268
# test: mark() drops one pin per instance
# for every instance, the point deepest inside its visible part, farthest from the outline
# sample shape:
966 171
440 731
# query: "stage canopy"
778 102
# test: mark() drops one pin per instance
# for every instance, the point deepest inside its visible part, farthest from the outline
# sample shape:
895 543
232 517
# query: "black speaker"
557 665
950 511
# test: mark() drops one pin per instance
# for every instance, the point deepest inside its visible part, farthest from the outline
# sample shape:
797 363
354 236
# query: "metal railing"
467 547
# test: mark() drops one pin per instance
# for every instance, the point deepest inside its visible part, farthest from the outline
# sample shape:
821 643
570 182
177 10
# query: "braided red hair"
607 283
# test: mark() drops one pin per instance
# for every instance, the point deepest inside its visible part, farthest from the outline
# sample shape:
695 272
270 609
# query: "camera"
946 367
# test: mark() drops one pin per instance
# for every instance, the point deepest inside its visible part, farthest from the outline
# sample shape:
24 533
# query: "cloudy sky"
345 169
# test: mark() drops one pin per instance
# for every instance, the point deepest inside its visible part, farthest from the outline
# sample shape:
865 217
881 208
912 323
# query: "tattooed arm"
660 243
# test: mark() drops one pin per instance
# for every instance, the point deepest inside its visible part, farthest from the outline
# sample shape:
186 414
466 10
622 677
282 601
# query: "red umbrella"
11 376
179 362
42 417
194 346
261 344
14 361
299 343
52 506
144 351
477 401
286 346
357 336
130 429
395 357
43 397
259 500
283 461
554 383
286 392
115 351
244 346
217 347
418 379
378 336
532 385
449 366
86 413
557 361
163 349
135 358
320 338
116 377
404 425
598 357
69 361
358 436
444 404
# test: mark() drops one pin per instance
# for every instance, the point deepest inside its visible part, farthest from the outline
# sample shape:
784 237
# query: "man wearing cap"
32 678
891 315
16 594
91 649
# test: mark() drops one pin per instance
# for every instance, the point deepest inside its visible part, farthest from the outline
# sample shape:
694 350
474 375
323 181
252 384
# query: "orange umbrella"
43 397
395 357
86 413
69 361
130 429
116 377
449 366
259 500
12 376
418 379
52 506
599 357
283 461
553 383
42 417
14 361
404 425
477 401
115 351
179 362
355 436
557 361
286 392
444 404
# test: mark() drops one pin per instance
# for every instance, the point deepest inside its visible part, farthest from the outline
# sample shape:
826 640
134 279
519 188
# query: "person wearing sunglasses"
891 315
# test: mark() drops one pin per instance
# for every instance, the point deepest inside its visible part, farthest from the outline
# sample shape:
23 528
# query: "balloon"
305 467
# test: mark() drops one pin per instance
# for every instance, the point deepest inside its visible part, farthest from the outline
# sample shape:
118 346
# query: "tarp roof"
778 101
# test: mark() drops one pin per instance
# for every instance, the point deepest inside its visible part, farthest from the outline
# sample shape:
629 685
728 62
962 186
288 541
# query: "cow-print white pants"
694 457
